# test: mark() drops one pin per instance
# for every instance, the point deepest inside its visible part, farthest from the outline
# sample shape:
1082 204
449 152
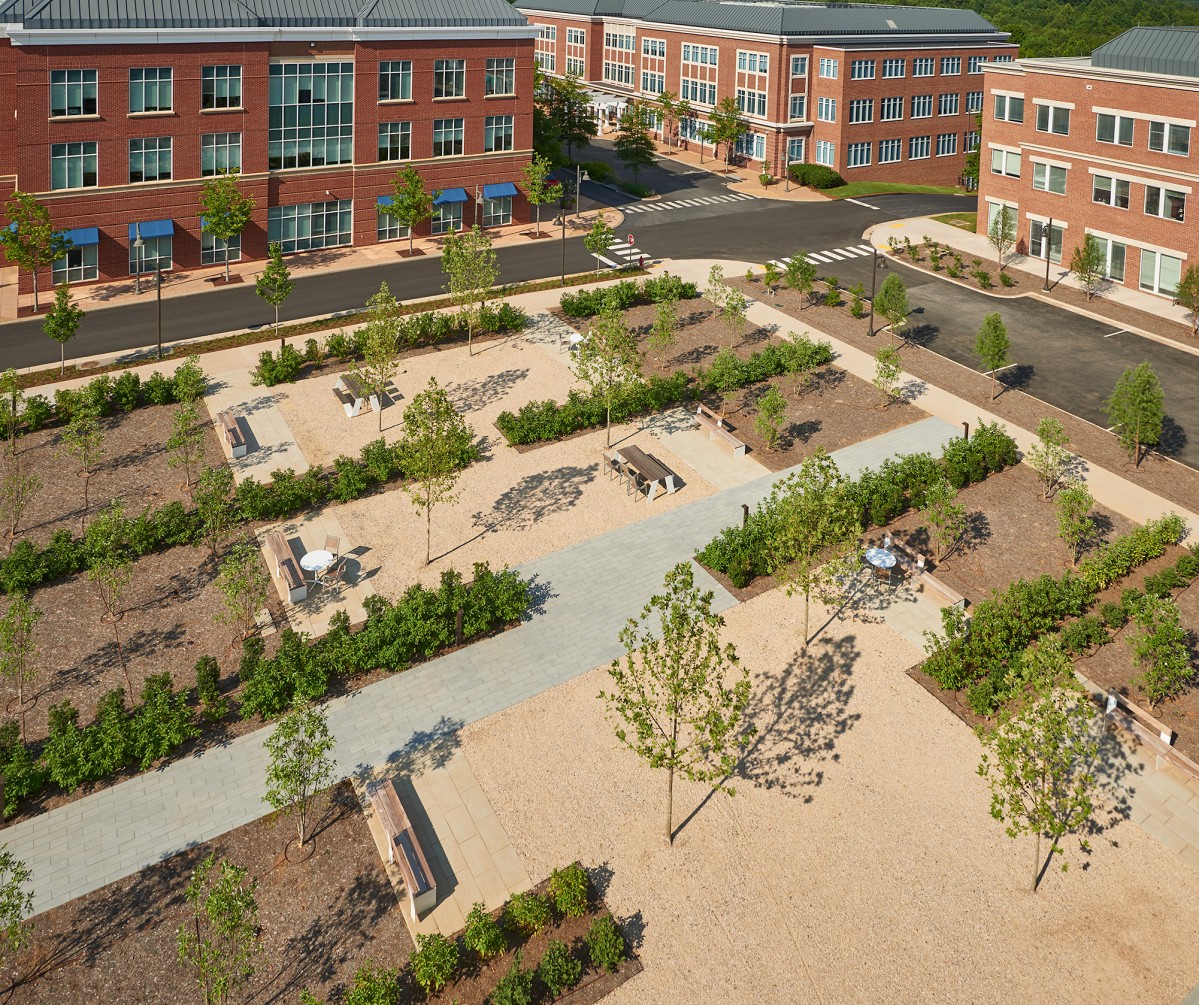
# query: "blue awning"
385 200
83 237
451 195
500 191
152 228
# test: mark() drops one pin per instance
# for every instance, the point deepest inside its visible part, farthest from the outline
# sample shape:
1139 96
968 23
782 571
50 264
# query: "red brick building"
880 93
116 121
1100 145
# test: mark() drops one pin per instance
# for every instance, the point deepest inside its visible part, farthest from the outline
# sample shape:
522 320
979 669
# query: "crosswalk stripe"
819 258
671 205
834 256
850 252
868 248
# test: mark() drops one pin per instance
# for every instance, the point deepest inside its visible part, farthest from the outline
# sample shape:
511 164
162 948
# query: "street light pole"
138 244
158 273
1048 242
580 177
787 168
876 264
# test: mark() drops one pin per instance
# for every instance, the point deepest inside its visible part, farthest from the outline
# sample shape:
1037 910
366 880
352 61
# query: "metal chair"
333 544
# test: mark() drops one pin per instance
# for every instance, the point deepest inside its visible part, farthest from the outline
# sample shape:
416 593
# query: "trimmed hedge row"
880 497
417 626
538 421
627 293
816 175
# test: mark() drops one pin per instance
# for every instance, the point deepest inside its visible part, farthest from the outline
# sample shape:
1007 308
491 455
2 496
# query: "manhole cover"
90 365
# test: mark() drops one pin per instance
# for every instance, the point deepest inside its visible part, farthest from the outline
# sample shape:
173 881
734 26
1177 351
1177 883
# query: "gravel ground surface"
858 861
511 506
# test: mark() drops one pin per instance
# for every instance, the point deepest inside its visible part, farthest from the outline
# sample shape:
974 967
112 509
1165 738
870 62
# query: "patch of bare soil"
1156 473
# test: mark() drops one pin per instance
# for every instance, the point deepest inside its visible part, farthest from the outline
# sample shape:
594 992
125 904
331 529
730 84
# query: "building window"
220 153
449 78
826 153
150 89
826 109
922 106
699 91
311 115
575 66
72 92
617 40
546 61
1049 178
752 62
549 32
797 107
924 66
1165 137
1002 59
751 145
974 102
577 36
951 66
799 66
1037 242
890 109
974 64
751 102
706 55
154 254
310 225
212 249
447 218
497 212
618 73
861 110
497 133
395 80
1113 129
947 104
395 141
72 165
220 87
889 151
1008 108
893 67
1053 119
1165 202
919 147
500 77
795 150
653 83
1005 162
1160 273
947 144
77 266
971 140
857 155
829 68
1115 255
389 228
447 137
861 69
1110 191
995 208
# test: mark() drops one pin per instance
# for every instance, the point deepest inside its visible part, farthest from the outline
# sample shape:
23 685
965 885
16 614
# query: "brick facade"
1089 92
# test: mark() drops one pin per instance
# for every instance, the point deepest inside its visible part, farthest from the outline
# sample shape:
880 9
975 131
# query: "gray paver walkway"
589 590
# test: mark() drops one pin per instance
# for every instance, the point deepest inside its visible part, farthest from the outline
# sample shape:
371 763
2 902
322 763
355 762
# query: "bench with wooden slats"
402 847
913 564
714 424
285 567
233 434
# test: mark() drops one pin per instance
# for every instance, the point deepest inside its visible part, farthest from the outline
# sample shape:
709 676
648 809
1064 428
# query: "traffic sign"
630 240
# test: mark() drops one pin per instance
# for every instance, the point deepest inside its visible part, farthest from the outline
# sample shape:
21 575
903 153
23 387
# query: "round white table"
880 558
316 562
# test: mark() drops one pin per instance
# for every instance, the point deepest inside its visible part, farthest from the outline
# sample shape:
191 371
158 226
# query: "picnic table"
652 472
351 393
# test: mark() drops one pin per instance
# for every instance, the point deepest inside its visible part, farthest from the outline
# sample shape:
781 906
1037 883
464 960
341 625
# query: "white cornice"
201 36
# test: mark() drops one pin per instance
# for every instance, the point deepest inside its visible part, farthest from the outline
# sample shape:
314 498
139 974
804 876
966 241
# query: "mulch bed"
1169 479
320 918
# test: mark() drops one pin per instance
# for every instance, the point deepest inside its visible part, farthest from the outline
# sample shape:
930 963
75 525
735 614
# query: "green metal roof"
1152 50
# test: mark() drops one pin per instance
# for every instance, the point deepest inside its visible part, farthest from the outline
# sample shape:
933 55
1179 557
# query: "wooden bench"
285 567
1149 731
714 424
915 567
233 434
402 847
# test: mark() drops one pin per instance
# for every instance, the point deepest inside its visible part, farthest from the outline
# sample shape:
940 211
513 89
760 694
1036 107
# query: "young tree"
946 517
470 265
607 360
1038 760
1136 410
224 210
733 311
243 583
1187 295
17 490
772 406
680 693
1088 264
1160 647
410 204
1074 523
570 108
83 439
599 239
12 404
33 244
799 275
110 567
814 546
727 126
221 943
1048 457
18 649
892 303
186 443
212 497
537 185
887 369
666 320
992 347
275 284
16 904
771 278
436 443
301 763
61 322
1002 235
634 146
190 381
683 112
380 337
669 110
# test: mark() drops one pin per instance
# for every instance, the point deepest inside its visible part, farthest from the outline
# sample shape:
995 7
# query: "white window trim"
1143 116
1007 94
1044 220
1053 104
1132 242
1066 165
1001 202
1005 148
1138 180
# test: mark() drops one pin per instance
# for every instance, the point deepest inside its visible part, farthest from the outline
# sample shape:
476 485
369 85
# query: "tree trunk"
1036 866
807 601
994 383
87 477
116 631
34 271
62 358
277 335
428 531
226 263
301 815
670 805
609 426
380 399
538 207
1136 447
21 699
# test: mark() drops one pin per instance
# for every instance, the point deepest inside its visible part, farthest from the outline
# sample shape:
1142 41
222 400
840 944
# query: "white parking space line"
858 202
1120 332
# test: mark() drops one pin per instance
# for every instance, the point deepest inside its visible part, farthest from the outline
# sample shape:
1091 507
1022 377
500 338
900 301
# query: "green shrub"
24 775
1187 566
1163 583
213 705
281 369
1006 279
605 944
433 962
816 175
569 889
161 723
1117 559
526 913
64 753
372 986
37 412
1084 633
1160 647
1113 615
558 970
600 171
339 346
126 391
483 936
158 390
515 987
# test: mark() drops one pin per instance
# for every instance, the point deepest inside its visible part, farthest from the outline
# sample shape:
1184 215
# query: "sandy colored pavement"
858 861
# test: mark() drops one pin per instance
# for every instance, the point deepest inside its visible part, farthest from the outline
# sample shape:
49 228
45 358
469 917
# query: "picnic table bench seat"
285 568
403 849
915 567
349 390
233 434
714 424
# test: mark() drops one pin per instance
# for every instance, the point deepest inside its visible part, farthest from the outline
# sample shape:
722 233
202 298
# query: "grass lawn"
860 188
967 221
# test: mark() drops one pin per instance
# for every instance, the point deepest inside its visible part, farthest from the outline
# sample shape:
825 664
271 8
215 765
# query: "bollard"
458 627
966 431
744 514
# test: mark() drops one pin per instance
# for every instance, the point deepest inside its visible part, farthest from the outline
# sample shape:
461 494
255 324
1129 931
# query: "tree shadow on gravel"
537 497
473 395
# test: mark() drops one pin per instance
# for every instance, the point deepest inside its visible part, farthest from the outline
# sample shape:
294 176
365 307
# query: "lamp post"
877 264
158 289
787 168
1048 241
580 177
138 243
